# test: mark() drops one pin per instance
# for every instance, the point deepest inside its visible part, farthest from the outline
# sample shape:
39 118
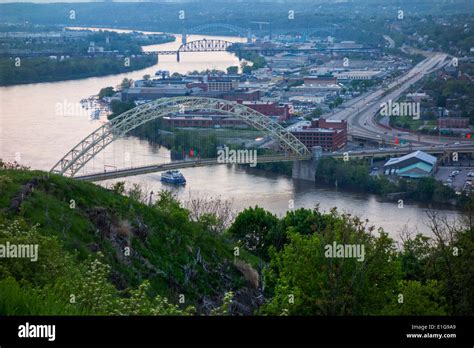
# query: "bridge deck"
120 173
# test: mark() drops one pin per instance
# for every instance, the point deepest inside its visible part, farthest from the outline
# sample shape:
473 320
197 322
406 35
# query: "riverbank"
355 175
92 54
39 70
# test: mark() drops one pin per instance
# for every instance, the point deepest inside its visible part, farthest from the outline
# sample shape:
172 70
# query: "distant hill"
164 16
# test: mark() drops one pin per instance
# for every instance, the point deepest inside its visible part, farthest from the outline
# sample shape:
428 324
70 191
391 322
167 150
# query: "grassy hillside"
88 234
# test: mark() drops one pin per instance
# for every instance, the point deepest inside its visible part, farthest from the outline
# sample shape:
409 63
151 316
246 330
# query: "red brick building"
320 80
330 135
282 112
451 122
242 94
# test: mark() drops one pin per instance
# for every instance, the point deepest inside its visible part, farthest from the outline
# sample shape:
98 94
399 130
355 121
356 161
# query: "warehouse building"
414 165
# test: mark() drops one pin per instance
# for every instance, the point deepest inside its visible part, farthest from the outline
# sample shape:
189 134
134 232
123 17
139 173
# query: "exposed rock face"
115 230
246 301
25 191
250 274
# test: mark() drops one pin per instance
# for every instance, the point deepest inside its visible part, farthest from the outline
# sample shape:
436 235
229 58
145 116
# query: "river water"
40 122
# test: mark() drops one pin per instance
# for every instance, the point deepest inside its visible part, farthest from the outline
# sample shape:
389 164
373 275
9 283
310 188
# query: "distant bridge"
203 45
216 45
219 27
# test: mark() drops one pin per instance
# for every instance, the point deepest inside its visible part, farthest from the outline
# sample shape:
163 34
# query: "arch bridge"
217 27
119 126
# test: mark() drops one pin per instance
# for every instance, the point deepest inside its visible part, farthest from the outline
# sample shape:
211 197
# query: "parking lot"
459 180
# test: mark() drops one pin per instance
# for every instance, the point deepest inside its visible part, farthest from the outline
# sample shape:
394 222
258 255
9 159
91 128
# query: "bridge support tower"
184 37
306 170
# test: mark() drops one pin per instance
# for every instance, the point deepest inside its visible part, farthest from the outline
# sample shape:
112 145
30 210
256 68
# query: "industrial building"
414 165
330 135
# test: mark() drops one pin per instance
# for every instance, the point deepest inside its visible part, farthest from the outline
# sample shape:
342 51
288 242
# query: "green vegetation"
425 277
408 123
71 57
355 175
106 92
83 232
101 252
257 60
459 92
34 70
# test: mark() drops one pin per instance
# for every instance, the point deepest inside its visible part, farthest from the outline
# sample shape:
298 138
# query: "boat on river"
173 177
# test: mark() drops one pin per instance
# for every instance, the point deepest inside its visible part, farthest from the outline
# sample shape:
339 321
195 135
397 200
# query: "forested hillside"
113 252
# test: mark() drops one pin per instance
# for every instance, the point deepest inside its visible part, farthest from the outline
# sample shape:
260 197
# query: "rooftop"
422 156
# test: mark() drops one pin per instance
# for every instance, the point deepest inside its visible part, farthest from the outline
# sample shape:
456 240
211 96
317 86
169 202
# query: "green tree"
106 92
126 83
411 297
232 70
253 227
306 281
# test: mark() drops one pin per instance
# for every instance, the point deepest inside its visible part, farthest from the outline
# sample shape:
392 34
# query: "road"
403 150
120 173
360 112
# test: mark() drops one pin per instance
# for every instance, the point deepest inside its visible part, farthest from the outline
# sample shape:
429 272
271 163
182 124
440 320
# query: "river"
36 133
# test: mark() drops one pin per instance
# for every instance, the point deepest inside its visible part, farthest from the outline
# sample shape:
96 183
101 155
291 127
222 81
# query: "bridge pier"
306 170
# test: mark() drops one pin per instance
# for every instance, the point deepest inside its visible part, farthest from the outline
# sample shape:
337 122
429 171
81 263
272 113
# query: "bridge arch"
119 126
233 28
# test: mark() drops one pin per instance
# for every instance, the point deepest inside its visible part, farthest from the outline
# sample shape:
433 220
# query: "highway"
361 111
403 150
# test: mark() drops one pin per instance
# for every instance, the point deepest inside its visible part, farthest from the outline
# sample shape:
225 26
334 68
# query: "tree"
253 227
118 107
305 280
414 298
246 68
126 83
316 113
232 70
106 92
